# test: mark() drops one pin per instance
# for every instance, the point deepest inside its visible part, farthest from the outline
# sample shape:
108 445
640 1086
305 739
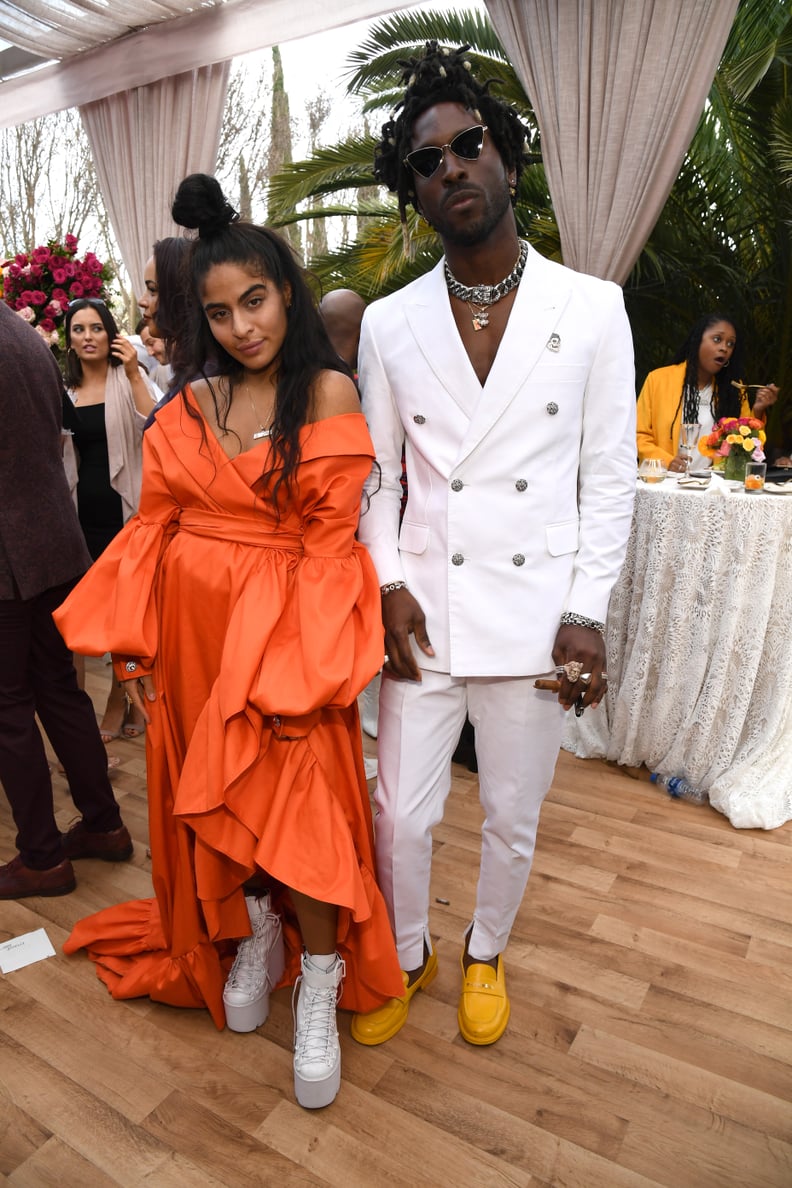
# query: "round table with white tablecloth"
699 643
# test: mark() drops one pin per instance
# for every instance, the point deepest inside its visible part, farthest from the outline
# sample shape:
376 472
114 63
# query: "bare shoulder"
205 394
333 395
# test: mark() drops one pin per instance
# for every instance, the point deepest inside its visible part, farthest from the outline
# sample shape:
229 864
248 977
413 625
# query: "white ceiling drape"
618 89
144 141
204 33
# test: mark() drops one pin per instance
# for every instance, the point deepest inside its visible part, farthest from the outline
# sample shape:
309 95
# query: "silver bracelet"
391 586
570 619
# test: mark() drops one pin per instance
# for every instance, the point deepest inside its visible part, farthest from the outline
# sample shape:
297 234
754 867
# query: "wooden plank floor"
650 1043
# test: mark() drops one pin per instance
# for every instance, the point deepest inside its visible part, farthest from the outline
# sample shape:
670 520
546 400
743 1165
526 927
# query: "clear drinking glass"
688 441
755 473
652 470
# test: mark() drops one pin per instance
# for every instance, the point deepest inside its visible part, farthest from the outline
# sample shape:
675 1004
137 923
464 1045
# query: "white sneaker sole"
250 1015
314 1095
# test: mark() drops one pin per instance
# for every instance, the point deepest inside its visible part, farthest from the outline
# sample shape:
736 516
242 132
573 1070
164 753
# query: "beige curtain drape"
144 141
618 87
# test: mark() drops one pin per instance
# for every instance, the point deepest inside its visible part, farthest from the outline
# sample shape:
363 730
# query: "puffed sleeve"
112 609
329 640
654 410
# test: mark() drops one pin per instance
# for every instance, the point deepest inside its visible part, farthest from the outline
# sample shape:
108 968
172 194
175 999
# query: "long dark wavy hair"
73 370
726 400
306 351
170 259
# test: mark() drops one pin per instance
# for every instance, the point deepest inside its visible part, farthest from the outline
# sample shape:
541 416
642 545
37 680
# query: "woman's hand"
140 692
121 348
765 397
679 464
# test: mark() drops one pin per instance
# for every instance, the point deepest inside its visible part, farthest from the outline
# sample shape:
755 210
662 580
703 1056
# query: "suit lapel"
428 314
541 299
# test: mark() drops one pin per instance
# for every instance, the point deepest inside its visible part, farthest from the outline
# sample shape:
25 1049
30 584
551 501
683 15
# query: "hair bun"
201 204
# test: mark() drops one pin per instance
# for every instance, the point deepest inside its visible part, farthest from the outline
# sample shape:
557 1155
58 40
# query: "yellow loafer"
378 1026
483 1004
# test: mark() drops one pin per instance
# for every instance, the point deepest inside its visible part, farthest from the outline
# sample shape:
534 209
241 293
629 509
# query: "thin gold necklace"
261 432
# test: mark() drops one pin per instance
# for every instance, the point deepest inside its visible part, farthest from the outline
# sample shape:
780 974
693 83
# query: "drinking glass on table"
688 440
652 470
755 473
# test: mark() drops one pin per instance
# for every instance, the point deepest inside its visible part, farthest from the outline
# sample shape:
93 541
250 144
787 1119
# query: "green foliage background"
723 239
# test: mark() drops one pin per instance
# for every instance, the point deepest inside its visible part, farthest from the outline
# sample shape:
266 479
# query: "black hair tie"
225 216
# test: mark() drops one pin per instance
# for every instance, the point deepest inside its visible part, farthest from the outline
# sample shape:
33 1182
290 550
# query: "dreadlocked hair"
726 400
443 75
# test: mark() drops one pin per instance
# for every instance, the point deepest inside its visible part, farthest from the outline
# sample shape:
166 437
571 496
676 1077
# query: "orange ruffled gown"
259 635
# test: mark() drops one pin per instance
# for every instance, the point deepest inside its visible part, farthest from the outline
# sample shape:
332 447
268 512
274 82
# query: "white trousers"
518 735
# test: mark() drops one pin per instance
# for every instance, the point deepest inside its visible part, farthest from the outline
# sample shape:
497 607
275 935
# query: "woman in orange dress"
245 618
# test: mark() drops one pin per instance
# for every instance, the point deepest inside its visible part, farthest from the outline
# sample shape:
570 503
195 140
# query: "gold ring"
573 669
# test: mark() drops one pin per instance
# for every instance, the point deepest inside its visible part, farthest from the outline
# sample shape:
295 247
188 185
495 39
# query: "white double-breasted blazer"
520 491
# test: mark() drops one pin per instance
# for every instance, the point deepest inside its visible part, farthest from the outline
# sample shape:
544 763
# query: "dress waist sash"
240 529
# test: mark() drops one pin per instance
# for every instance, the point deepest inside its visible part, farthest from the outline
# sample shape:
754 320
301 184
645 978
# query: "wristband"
570 619
391 586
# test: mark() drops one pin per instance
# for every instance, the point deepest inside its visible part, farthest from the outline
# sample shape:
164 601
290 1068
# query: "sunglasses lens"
425 161
467 144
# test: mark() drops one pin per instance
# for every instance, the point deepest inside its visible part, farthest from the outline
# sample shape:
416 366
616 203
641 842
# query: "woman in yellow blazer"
696 387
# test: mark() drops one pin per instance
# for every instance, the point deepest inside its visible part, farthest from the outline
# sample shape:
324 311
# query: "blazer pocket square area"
562 538
413 538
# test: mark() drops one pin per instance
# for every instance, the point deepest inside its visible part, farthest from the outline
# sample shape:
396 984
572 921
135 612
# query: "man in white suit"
508 381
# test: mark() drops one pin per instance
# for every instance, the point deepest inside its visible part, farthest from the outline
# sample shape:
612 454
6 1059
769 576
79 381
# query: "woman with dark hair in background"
163 303
109 401
696 388
255 625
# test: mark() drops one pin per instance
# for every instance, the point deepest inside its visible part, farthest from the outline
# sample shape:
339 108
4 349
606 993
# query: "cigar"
553 687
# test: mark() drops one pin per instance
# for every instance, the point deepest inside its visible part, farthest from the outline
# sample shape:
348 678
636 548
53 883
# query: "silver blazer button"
518 559
457 484
457 559
419 419
552 408
521 485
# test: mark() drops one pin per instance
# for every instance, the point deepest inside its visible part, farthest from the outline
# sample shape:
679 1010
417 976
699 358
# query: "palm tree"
722 240
375 262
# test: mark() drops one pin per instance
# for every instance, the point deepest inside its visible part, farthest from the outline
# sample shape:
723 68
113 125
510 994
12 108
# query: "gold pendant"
480 321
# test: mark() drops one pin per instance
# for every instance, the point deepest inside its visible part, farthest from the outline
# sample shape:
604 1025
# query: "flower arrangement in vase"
733 442
39 285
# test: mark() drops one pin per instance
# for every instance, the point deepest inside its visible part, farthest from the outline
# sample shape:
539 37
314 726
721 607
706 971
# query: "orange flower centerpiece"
734 441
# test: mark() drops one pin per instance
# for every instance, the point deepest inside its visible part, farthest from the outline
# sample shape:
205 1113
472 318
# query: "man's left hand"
587 646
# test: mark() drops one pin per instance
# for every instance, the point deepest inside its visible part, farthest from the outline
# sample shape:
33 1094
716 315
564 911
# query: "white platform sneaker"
317 1054
258 967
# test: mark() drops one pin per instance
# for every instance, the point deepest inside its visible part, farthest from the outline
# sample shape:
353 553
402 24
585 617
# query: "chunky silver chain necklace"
484 296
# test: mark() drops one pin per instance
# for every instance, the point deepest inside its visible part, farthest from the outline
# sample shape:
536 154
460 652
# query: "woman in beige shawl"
109 401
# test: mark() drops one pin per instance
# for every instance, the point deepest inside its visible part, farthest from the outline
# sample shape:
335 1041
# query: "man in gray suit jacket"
508 381
42 554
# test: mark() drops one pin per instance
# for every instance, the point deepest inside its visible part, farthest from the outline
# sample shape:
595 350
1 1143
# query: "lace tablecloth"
699 640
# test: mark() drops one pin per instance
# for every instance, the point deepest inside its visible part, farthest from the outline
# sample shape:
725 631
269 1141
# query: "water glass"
688 440
755 473
652 470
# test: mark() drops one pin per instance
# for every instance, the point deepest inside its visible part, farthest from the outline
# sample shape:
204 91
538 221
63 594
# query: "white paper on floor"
24 950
